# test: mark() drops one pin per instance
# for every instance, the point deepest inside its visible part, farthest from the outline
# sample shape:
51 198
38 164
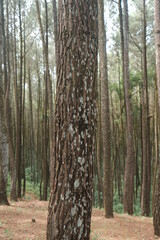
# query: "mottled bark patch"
4 160
75 122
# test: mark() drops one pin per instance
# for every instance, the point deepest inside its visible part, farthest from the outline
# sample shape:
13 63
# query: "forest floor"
26 220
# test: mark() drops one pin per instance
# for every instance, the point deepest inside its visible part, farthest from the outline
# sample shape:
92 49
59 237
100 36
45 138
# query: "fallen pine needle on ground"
27 218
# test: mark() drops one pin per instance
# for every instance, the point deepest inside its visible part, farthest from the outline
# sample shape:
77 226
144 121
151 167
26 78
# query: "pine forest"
79 119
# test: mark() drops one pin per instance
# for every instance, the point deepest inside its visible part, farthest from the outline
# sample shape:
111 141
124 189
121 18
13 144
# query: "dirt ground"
26 220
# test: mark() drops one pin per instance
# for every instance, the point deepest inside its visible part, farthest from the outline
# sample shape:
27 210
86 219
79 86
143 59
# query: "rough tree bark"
70 201
156 211
105 115
7 108
4 158
4 150
130 161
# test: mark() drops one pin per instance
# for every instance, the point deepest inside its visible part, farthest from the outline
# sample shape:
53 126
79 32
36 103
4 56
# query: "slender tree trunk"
156 211
24 104
156 135
146 177
39 151
55 29
48 98
99 141
31 126
45 142
122 144
122 59
49 82
130 161
105 116
121 33
19 120
16 92
75 122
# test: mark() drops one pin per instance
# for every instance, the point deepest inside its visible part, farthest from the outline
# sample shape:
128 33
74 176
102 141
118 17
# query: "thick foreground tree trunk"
70 202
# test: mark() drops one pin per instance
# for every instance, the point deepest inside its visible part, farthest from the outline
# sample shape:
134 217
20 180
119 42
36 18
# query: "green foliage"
151 76
8 184
118 208
30 186
27 197
137 208
135 80
118 88
97 199
117 205
8 233
95 237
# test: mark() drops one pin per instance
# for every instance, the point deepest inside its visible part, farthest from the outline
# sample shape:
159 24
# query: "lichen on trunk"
75 122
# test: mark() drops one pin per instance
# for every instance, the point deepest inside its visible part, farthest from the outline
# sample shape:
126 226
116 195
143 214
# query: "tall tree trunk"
45 142
24 104
49 82
122 143
156 211
121 25
7 110
48 98
31 127
19 120
75 121
105 116
99 141
4 151
39 149
16 91
122 59
146 173
130 161
156 136
55 29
